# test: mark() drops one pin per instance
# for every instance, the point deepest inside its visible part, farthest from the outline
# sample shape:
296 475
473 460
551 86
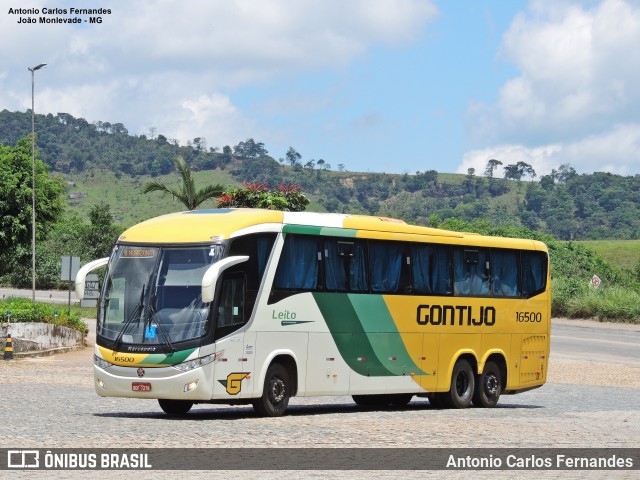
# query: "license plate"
141 386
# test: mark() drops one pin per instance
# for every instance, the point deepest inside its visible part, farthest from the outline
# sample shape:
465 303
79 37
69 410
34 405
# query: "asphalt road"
51 403
52 296
596 342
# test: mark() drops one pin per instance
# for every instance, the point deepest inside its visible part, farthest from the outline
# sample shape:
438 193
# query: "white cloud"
577 96
214 114
174 65
578 69
542 159
616 150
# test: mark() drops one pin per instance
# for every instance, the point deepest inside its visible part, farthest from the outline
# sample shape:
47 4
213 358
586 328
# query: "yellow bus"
244 306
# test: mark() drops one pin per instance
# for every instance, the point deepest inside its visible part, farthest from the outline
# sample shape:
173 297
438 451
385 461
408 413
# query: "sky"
389 86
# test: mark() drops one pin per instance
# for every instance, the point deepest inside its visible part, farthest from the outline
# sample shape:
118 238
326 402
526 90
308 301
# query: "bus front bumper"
164 382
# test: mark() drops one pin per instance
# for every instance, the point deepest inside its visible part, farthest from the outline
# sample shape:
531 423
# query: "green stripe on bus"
302 229
167 359
383 333
352 342
324 231
338 232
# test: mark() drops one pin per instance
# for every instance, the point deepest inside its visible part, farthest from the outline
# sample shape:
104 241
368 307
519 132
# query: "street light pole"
33 181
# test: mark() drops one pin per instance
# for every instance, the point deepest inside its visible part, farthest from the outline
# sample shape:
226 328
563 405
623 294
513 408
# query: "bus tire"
488 387
275 394
460 393
175 407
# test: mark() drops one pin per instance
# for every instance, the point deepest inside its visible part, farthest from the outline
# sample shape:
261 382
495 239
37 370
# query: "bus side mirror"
84 271
211 276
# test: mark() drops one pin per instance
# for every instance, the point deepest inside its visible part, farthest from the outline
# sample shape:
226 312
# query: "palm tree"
186 193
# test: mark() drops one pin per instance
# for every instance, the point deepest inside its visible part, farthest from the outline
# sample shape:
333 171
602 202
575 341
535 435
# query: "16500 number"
528 317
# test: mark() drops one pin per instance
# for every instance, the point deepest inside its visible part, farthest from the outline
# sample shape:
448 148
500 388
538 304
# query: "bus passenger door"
233 369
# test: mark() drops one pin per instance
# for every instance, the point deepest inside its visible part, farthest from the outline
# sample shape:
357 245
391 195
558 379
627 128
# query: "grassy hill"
103 162
124 195
621 253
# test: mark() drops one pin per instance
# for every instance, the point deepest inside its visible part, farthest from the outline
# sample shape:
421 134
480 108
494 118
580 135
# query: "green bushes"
576 299
23 310
258 195
572 266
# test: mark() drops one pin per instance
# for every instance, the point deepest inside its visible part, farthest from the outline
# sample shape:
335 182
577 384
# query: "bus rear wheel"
462 386
489 386
175 407
276 392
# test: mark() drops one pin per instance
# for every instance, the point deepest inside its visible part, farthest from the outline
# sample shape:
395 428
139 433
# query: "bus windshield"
152 296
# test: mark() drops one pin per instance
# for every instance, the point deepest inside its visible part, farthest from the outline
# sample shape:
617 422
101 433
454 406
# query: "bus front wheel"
175 407
275 394
489 386
462 386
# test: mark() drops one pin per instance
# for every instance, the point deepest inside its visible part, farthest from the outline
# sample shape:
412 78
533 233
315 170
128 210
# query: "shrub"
258 195
23 310
575 299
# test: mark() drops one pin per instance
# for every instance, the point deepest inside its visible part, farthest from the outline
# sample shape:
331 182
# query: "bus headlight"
196 363
190 386
101 362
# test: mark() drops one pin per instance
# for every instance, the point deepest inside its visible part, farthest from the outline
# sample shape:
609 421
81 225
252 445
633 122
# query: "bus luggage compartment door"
533 359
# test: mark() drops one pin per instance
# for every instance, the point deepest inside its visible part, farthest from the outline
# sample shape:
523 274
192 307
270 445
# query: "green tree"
16 204
186 193
101 234
293 157
70 236
564 173
65 238
250 149
491 166
519 170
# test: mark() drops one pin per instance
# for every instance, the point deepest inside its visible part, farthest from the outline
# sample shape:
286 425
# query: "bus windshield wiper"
163 331
130 320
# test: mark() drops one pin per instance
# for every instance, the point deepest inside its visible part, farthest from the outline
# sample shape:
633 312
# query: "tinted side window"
345 265
505 272
258 248
534 273
431 269
230 313
471 271
389 264
299 267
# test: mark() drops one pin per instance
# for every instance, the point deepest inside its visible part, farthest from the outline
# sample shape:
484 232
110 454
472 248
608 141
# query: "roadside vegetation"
24 310
622 253
90 176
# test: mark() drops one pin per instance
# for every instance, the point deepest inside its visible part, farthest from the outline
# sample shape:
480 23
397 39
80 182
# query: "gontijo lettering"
455 315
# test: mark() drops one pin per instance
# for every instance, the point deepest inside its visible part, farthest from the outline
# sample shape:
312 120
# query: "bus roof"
207 226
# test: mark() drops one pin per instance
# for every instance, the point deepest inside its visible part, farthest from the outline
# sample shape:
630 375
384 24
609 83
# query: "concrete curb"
41 339
47 353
